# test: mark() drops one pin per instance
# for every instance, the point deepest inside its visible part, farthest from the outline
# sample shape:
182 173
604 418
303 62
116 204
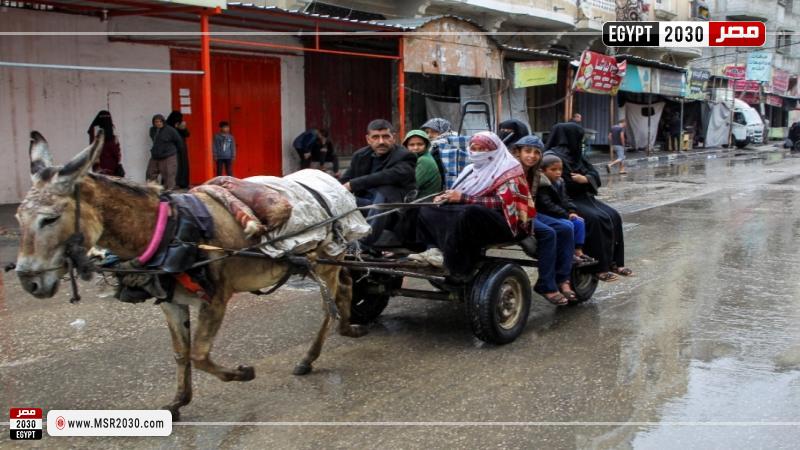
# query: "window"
739 118
784 42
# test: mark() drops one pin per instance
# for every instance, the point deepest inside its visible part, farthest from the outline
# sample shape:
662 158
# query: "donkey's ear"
39 152
80 164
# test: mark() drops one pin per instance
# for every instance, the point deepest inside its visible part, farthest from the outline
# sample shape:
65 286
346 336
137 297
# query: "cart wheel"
583 283
368 301
499 302
796 146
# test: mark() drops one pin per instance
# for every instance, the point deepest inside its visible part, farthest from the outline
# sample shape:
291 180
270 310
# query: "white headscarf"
486 168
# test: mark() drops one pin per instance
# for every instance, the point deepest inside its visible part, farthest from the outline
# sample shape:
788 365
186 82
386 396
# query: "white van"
747 125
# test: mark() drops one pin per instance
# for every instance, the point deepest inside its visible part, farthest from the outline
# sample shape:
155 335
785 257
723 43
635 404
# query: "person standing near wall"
163 153
224 149
110 160
175 120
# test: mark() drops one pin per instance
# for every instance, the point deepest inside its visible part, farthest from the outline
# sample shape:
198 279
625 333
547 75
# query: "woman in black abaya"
175 120
604 239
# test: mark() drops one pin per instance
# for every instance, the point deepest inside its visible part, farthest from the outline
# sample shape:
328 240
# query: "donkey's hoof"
354 331
245 373
302 369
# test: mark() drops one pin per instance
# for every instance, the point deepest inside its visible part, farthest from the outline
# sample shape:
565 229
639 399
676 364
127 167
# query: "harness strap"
158 234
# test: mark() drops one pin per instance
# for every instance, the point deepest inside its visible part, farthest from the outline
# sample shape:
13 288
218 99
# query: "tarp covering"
641 118
306 210
718 125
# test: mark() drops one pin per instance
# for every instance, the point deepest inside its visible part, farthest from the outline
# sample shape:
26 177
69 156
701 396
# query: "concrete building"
139 58
782 19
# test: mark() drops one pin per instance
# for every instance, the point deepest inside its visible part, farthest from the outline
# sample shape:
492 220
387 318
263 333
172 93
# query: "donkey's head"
47 216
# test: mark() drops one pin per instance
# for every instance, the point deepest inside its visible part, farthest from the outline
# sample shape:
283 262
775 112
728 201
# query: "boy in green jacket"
429 180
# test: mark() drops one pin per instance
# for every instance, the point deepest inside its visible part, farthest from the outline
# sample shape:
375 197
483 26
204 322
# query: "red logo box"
737 34
25 413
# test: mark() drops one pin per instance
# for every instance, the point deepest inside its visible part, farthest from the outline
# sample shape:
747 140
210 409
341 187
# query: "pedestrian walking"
175 120
224 149
163 153
110 160
616 139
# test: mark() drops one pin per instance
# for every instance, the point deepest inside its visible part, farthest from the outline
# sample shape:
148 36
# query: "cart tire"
796 146
366 306
367 309
498 303
584 284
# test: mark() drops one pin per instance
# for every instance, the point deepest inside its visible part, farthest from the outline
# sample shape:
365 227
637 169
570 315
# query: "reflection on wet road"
706 332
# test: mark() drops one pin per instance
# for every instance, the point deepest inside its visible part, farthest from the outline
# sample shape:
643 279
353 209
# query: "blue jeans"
379 224
555 245
580 231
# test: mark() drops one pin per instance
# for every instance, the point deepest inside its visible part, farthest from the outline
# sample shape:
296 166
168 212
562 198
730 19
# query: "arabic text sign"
535 73
780 81
774 100
598 74
737 73
698 83
736 34
759 66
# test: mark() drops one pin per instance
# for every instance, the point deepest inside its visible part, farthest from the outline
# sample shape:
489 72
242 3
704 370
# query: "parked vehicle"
748 127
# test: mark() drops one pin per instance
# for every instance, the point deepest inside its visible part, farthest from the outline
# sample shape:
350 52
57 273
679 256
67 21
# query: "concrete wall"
62 103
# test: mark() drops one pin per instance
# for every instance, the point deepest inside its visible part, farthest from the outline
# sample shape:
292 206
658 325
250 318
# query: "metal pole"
205 96
732 85
401 87
680 139
649 119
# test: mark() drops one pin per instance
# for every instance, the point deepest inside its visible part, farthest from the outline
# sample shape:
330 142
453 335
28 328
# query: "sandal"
556 298
608 277
571 296
624 271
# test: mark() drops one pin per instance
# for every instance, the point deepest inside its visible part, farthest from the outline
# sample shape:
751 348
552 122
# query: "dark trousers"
554 246
227 163
378 224
461 232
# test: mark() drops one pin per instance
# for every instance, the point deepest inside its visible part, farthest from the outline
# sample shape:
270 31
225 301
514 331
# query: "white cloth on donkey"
331 239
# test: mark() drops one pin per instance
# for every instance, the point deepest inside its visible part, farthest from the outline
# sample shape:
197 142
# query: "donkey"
120 215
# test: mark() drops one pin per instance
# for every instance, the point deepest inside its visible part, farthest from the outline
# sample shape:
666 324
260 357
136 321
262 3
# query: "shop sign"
738 73
599 74
780 82
637 79
668 82
698 84
774 100
535 73
759 66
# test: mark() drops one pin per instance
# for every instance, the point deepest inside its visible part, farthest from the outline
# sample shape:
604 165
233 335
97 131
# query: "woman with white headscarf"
490 203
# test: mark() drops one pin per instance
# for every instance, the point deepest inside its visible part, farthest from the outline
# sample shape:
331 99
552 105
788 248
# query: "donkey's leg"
304 366
209 319
340 285
180 330
344 296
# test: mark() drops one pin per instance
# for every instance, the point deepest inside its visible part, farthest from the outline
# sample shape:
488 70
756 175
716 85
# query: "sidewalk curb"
658 159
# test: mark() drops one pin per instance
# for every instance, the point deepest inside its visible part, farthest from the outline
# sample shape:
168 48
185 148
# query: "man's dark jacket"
394 180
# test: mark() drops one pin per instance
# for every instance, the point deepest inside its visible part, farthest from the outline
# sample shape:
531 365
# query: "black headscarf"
102 120
174 118
566 140
519 130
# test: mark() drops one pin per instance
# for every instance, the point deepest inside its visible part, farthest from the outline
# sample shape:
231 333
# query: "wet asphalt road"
700 350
